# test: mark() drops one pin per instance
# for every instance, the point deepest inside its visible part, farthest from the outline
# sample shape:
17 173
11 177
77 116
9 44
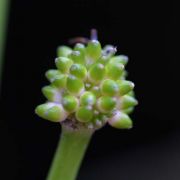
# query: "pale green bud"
70 103
131 93
51 111
125 87
119 59
124 75
79 71
93 50
51 93
128 110
87 99
74 85
128 101
50 74
63 64
114 70
103 59
109 87
77 57
121 121
106 104
81 48
84 114
63 51
59 81
96 73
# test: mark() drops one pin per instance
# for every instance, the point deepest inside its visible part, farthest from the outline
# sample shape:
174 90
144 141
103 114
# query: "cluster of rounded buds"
88 88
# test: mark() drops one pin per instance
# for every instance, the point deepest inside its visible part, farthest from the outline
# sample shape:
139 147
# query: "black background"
142 30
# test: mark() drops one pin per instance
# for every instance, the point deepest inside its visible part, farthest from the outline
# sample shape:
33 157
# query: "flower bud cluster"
89 87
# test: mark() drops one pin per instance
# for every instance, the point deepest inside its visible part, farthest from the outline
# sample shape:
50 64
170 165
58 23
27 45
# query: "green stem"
3 23
69 154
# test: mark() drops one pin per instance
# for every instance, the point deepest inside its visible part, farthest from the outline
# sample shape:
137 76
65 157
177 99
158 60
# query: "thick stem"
69 154
3 23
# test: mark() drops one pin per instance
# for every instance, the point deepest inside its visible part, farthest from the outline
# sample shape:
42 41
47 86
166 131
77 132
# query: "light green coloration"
82 49
51 112
128 101
121 121
63 51
103 59
109 87
125 87
63 64
84 114
50 74
87 99
4 8
106 104
96 91
96 73
77 57
70 103
59 80
119 59
74 85
49 92
114 70
93 50
79 71
128 110
69 154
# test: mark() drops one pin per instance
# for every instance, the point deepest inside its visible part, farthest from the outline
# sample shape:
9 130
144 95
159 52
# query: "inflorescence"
88 88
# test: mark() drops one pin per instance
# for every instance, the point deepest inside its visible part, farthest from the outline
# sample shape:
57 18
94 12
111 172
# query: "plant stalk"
69 154
3 23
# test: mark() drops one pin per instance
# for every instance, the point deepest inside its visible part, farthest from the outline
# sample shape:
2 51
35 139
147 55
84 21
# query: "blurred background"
140 29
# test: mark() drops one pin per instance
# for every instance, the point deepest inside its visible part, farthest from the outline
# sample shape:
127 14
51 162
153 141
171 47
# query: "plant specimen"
87 90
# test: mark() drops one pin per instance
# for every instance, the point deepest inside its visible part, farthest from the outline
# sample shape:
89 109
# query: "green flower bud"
93 50
79 71
131 93
81 48
87 99
103 59
59 81
106 104
74 85
128 101
125 87
50 74
63 64
84 114
119 59
77 57
99 119
109 87
128 110
51 93
96 73
124 75
70 103
114 70
51 111
121 121
63 51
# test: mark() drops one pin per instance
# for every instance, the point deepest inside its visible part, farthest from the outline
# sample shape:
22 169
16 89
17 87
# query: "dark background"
142 30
